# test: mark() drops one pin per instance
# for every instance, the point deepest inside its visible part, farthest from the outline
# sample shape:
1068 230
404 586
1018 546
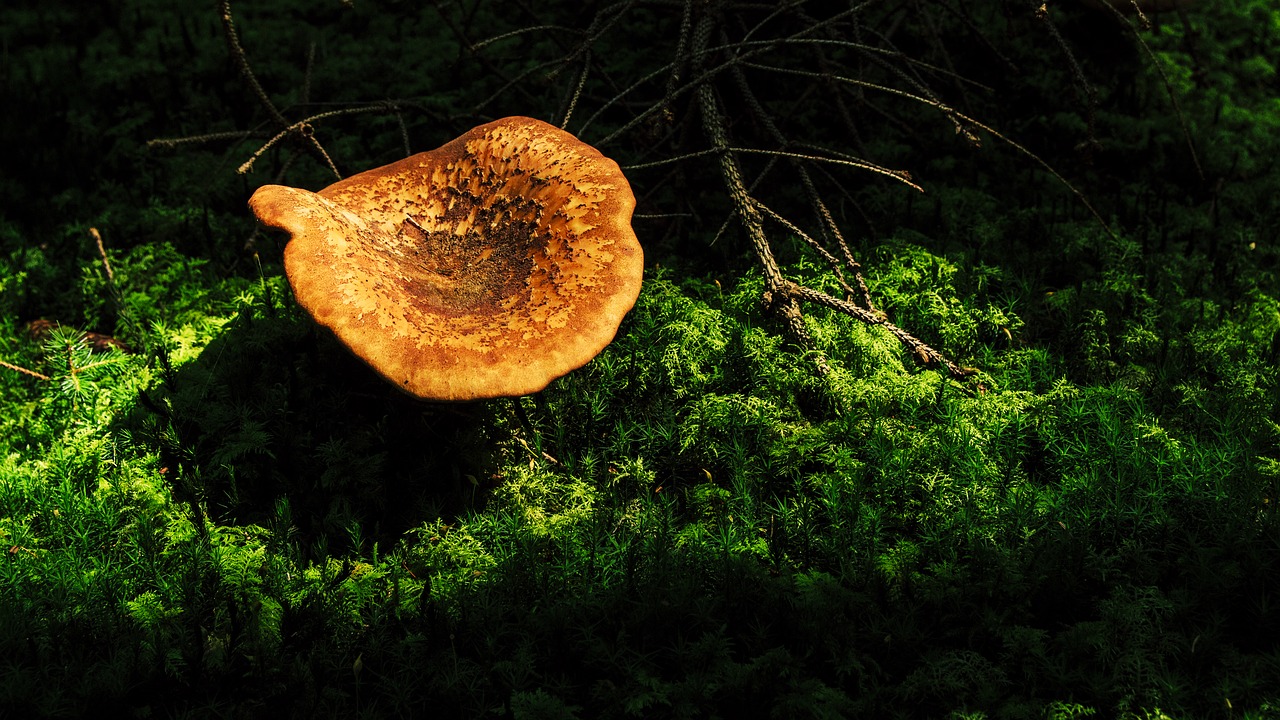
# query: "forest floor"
208 508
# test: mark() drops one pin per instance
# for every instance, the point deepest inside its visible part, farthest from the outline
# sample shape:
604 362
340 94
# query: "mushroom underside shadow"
276 413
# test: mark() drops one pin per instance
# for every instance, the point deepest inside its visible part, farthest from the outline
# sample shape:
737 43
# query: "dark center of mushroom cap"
492 233
472 261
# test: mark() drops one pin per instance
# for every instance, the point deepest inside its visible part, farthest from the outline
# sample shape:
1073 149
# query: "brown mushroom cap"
485 268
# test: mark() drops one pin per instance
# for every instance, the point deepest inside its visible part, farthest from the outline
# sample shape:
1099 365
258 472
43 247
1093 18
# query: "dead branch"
782 296
775 297
246 72
304 128
24 371
1144 23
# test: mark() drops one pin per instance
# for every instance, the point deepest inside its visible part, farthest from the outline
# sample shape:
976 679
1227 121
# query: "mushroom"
485 268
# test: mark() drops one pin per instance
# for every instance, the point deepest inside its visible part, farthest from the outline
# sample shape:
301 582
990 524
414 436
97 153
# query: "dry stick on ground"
782 296
829 225
775 295
112 290
24 371
106 264
111 287
122 313
923 352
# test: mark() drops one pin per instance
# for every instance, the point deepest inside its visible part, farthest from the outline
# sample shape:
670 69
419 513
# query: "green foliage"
674 530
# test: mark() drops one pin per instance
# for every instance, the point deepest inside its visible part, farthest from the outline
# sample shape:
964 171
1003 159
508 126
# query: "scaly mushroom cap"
486 268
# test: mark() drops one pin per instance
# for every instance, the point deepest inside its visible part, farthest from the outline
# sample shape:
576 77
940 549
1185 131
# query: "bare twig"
926 354
303 127
1164 79
242 63
782 303
829 225
102 253
207 137
305 95
814 244
24 371
516 33
682 58
1077 74
782 296
957 115
901 176
246 72
577 90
